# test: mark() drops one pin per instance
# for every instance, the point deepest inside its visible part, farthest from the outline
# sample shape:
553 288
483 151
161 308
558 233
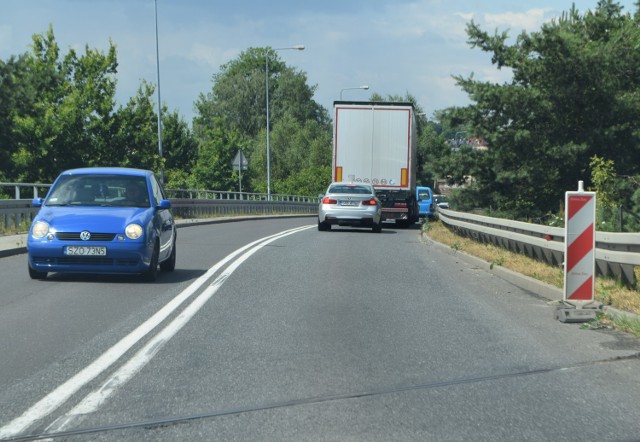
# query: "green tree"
178 143
603 177
217 148
311 181
573 95
179 149
300 128
16 97
65 126
294 147
135 133
238 94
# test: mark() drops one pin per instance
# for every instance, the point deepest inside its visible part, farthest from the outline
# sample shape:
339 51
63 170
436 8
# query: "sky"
394 47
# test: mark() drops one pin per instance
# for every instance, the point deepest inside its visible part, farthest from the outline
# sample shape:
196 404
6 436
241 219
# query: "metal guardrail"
34 190
243 196
199 208
616 253
16 214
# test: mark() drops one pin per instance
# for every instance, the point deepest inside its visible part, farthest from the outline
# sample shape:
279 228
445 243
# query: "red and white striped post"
579 245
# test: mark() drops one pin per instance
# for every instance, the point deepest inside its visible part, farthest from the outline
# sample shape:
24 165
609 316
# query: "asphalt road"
341 335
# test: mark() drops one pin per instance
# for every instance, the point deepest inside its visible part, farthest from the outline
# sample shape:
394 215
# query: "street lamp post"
159 102
298 48
350 88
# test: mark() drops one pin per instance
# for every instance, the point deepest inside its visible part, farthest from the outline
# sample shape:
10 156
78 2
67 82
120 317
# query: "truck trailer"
375 142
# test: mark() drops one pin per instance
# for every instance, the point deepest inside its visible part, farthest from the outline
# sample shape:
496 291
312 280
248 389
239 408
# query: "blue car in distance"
424 196
109 220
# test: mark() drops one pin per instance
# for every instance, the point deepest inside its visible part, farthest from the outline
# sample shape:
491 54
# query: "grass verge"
608 291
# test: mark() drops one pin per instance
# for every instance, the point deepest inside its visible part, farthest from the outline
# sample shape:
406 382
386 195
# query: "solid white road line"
95 399
62 393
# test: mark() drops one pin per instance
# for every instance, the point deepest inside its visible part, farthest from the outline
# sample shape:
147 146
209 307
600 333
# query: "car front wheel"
152 272
34 274
170 264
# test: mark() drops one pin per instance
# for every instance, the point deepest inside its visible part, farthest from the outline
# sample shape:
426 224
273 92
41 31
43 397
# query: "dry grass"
608 291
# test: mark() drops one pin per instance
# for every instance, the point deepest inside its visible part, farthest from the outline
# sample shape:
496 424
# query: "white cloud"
420 19
394 46
529 20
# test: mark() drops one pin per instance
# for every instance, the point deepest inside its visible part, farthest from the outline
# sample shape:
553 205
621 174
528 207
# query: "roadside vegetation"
608 291
570 106
570 112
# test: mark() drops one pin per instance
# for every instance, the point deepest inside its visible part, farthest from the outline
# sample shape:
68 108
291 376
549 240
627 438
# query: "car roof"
108 171
350 189
349 183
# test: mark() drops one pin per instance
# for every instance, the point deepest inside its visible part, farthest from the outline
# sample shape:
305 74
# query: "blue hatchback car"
103 220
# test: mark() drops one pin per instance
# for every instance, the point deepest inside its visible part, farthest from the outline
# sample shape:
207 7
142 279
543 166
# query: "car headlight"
133 231
40 229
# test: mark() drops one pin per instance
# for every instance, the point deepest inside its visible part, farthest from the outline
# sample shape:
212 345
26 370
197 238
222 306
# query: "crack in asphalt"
176 420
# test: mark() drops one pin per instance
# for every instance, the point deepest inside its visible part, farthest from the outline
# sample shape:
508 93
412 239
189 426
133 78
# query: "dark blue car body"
88 223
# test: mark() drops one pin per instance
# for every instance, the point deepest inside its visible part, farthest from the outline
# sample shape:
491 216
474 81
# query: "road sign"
579 245
240 163
240 160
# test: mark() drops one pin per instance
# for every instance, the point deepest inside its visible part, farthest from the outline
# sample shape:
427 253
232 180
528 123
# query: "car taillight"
371 202
327 200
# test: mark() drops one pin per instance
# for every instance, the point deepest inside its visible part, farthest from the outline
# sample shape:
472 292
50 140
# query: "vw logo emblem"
85 235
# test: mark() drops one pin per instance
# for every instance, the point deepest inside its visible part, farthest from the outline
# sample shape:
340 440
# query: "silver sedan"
350 204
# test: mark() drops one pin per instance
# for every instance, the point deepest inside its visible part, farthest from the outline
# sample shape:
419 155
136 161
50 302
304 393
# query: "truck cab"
424 196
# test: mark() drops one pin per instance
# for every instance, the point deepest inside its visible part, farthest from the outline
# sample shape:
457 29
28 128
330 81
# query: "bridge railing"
24 190
616 255
17 214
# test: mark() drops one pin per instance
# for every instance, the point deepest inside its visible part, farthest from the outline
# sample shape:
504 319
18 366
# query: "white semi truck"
375 142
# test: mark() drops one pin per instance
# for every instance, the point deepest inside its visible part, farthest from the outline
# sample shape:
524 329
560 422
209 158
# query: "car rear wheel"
34 274
377 227
323 227
152 272
170 264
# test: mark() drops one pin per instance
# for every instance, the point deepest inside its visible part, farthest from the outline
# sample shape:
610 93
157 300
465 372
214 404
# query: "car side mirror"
37 202
164 205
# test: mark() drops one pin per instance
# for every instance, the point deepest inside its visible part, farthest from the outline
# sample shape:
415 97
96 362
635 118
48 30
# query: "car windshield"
350 188
99 190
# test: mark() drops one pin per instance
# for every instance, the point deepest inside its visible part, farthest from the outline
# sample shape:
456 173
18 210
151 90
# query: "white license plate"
348 203
85 250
